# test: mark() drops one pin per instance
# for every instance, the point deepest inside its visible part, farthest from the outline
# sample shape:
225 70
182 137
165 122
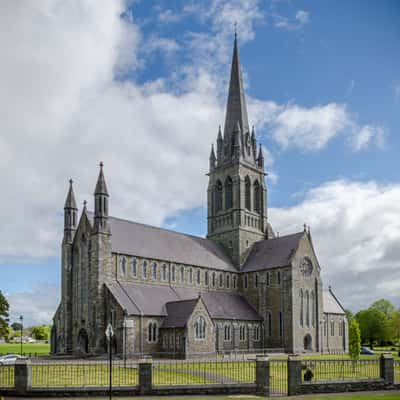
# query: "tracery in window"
228 193
200 328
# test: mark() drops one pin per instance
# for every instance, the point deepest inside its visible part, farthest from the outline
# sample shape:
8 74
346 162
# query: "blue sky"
142 85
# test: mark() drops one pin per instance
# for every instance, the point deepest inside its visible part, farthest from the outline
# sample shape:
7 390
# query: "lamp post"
109 335
21 318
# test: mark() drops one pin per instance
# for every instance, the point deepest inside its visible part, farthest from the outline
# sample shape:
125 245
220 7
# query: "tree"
354 339
41 332
373 325
349 315
4 307
394 326
384 306
16 326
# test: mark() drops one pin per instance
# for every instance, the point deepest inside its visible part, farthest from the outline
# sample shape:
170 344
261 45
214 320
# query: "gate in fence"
278 376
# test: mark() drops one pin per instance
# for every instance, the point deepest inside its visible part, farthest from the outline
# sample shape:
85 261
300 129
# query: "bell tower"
237 208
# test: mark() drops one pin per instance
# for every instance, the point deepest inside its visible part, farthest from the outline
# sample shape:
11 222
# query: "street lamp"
21 318
109 335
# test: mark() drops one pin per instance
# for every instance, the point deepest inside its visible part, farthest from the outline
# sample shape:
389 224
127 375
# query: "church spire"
70 215
236 106
212 158
101 204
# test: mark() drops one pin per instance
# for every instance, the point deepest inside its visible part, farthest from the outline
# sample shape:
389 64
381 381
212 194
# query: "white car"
9 359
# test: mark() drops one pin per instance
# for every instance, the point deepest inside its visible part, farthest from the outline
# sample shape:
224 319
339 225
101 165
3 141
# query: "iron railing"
340 370
84 374
6 376
203 372
278 378
397 371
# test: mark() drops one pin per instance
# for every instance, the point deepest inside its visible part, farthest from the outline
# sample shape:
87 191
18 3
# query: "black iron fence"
203 372
397 371
339 370
6 376
278 377
84 374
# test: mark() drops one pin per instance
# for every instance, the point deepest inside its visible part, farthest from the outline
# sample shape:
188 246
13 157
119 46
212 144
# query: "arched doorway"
83 341
307 342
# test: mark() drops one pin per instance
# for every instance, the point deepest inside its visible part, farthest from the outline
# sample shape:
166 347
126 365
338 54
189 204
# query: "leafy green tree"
384 306
373 326
354 339
4 307
394 326
16 326
41 332
349 315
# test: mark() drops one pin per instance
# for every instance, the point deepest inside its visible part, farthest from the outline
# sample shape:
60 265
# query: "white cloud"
356 231
311 129
294 23
168 16
367 135
37 306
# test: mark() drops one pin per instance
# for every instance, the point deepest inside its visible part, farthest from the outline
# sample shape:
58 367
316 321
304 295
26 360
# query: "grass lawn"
32 348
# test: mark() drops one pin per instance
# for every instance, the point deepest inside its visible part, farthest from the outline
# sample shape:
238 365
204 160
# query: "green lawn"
27 348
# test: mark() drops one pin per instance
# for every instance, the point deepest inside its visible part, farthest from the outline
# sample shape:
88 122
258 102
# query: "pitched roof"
178 313
272 253
152 300
331 305
148 241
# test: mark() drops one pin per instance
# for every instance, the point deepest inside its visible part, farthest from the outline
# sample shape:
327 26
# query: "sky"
142 86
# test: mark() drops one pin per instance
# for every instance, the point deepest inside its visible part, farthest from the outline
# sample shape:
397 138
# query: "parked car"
367 351
9 359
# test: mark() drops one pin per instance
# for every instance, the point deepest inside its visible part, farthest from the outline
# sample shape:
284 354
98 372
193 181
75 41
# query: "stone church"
241 289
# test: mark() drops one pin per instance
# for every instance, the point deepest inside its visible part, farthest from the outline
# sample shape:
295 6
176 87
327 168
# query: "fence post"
262 375
294 374
22 376
386 365
145 376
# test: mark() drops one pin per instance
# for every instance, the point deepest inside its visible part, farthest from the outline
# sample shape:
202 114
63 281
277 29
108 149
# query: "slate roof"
330 304
178 313
272 253
152 300
141 240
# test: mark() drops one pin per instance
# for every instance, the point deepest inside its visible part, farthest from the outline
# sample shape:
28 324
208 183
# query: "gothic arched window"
190 275
218 196
123 265
301 308
145 269
312 309
206 278
182 274
257 197
307 309
247 195
164 272
172 272
152 332
213 279
154 270
228 281
133 266
198 277
228 193
234 280
221 280
200 328
269 319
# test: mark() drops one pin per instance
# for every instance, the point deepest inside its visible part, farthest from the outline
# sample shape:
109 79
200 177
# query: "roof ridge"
157 227
181 301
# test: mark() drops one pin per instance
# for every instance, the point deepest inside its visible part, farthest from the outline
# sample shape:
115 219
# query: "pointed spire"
236 106
84 206
260 158
253 141
212 157
101 187
70 201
